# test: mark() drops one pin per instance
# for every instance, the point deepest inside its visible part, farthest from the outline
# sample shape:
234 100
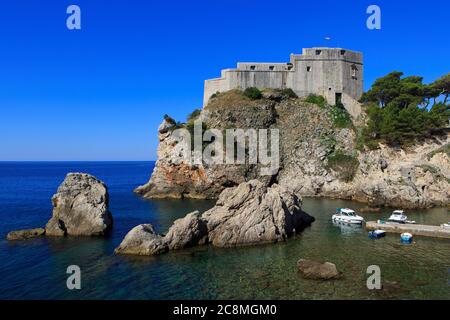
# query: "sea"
38 268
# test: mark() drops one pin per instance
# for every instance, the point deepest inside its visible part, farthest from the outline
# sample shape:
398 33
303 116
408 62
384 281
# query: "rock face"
248 214
413 177
253 213
174 177
142 240
80 208
25 234
318 271
187 232
184 233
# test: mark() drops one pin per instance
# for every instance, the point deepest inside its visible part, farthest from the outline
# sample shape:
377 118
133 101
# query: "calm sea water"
36 269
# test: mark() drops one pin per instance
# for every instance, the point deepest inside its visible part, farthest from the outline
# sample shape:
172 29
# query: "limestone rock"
252 213
248 214
186 232
25 234
80 207
318 271
416 176
142 240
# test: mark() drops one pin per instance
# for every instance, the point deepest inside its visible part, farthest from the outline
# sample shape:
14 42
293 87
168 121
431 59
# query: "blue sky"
100 93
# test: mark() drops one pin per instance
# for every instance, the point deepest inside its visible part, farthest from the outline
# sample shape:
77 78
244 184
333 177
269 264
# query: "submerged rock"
248 214
318 271
80 207
25 234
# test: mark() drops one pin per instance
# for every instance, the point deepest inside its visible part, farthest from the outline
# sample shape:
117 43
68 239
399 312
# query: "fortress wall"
330 72
212 86
351 105
260 79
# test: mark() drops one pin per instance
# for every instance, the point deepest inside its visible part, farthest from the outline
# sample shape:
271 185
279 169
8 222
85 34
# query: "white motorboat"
445 225
347 216
399 216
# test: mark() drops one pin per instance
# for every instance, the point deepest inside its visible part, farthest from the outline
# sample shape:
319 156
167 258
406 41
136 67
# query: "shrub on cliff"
344 165
341 118
194 115
288 92
253 93
316 99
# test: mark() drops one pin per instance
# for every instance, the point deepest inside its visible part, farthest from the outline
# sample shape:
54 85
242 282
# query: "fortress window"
290 66
342 52
308 68
271 68
252 67
318 52
354 72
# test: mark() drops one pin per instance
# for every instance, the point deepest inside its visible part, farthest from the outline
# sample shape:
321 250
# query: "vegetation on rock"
344 165
316 99
401 109
253 93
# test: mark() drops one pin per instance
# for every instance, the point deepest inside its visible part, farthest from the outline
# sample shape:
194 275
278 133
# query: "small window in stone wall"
318 52
271 68
354 72
342 52
308 68
252 67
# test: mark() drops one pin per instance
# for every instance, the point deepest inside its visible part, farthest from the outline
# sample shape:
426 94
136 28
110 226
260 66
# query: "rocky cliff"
319 157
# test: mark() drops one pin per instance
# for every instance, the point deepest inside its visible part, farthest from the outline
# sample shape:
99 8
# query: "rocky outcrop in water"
25 234
417 176
318 271
248 214
80 208
253 213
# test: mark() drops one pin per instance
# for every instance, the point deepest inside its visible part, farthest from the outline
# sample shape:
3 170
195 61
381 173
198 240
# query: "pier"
414 229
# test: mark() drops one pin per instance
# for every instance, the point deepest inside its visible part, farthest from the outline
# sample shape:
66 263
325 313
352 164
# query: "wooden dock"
414 229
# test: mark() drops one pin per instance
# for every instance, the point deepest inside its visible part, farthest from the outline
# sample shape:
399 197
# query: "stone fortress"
335 73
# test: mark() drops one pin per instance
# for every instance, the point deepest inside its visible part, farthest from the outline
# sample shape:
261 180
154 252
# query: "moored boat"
398 216
376 234
347 216
445 225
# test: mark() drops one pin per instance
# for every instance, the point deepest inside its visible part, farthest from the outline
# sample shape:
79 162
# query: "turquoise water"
36 269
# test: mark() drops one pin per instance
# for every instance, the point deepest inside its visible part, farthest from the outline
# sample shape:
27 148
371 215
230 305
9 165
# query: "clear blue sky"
100 93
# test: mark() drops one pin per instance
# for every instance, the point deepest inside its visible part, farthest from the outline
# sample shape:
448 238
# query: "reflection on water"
348 229
36 269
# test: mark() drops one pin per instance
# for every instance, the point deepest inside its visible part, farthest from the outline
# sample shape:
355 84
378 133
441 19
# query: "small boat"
376 234
406 237
445 225
398 216
347 216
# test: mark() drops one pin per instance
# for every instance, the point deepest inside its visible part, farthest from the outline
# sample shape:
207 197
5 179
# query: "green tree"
443 86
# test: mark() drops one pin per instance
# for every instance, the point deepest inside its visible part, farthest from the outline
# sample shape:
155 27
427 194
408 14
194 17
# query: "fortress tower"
335 73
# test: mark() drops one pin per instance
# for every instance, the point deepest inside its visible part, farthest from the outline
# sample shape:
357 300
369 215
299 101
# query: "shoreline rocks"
80 208
25 234
248 214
